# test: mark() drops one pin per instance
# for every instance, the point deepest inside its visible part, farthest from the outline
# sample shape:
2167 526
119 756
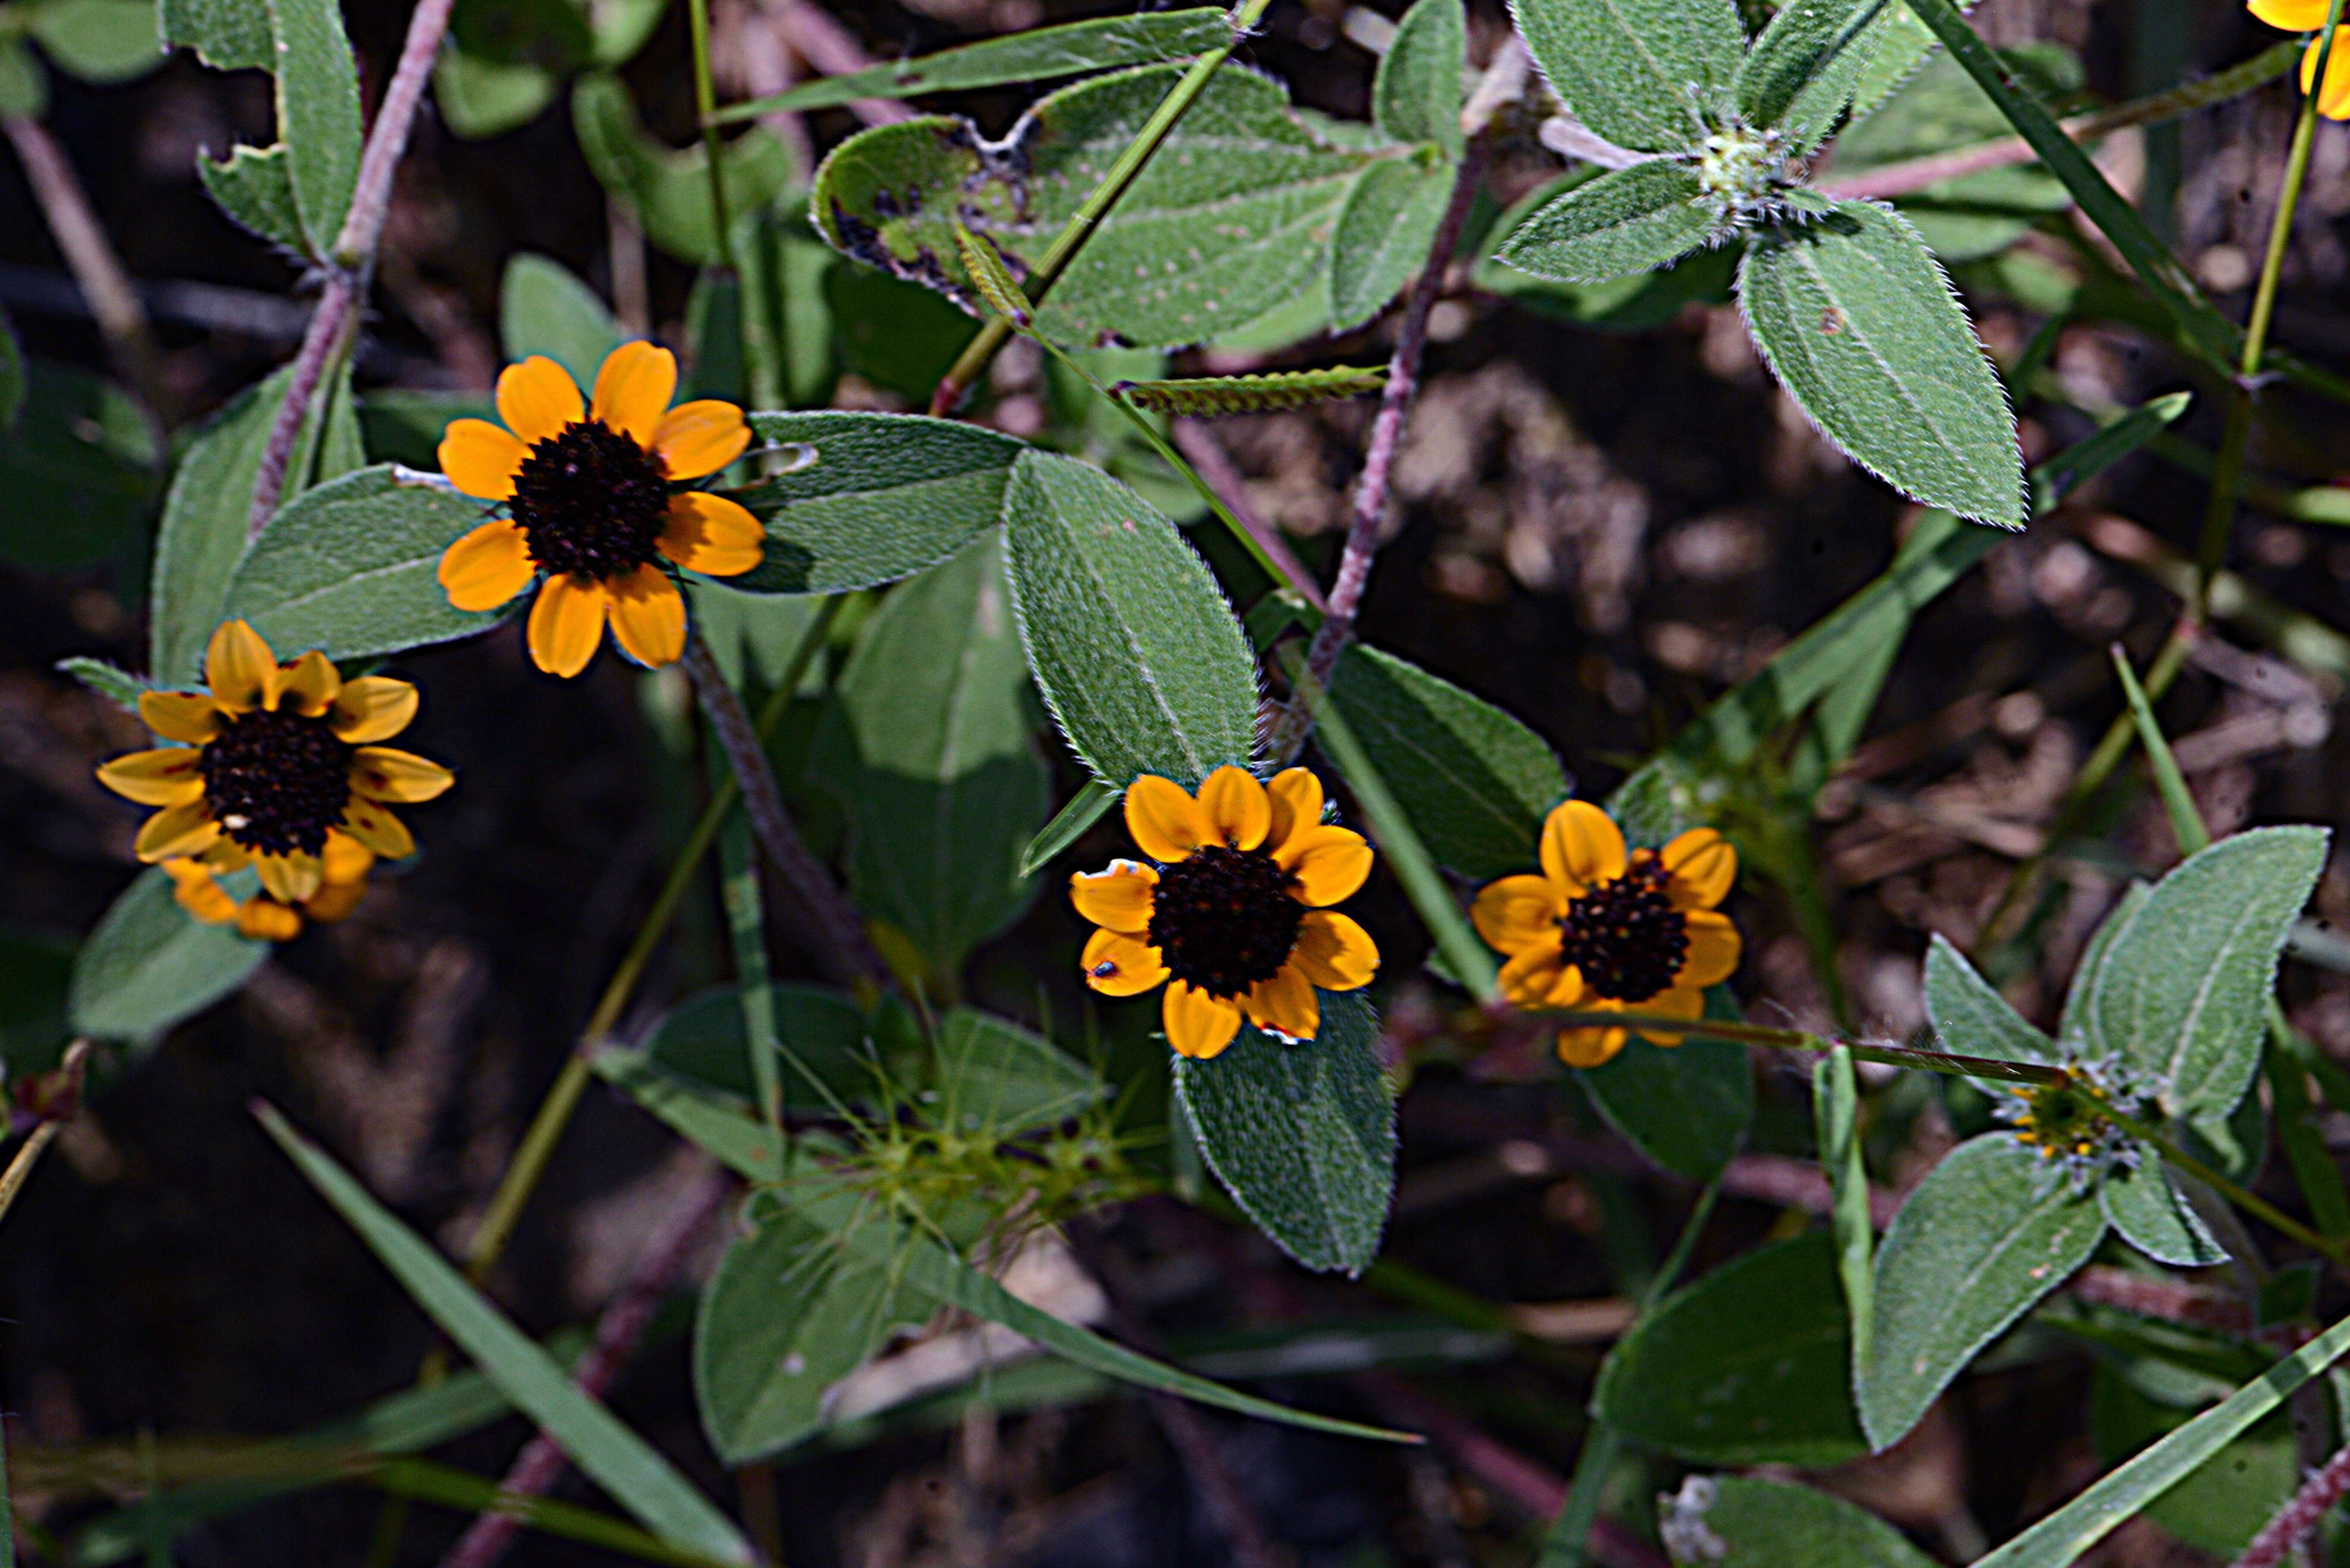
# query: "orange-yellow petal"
183 827
1232 808
267 920
567 622
647 617
187 716
1325 865
1535 974
487 566
1704 865
1163 819
335 901
481 460
2291 16
1581 847
1517 912
1334 952
383 772
344 859
378 829
1198 1025
2333 98
1680 1001
1118 965
1591 1047
537 398
291 878
1118 900
199 892
712 534
309 685
1296 797
164 776
373 708
633 389
701 437
240 669
1284 1004
1713 949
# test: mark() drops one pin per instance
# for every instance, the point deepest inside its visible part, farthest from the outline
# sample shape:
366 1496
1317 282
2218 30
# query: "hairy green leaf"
1971 1018
318 113
1687 1107
1384 229
97 40
117 686
1093 801
1302 1136
149 963
1130 639
543 308
255 186
1626 222
1862 327
1801 72
1650 74
227 35
1753 1522
2145 1205
1416 95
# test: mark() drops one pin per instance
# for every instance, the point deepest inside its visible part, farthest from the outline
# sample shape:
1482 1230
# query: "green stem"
705 102
2251 1202
1074 233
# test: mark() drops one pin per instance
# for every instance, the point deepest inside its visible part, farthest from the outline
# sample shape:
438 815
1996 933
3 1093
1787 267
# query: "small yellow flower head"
2309 15
1233 920
587 485
1602 930
277 768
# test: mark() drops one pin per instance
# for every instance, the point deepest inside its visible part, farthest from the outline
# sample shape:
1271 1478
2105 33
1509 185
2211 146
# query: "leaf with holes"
318 113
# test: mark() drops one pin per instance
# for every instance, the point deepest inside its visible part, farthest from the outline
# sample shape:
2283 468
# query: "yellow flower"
1604 931
588 490
2308 15
1232 918
277 768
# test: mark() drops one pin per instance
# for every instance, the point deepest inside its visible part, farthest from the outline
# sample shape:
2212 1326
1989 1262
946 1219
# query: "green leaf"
822 1056
1384 229
1302 1136
997 1078
1634 303
670 188
97 40
480 97
2183 984
1747 1366
723 1124
1687 1107
349 569
1862 327
1836 1123
1252 394
1475 781
255 186
1129 635
791 1310
23 85
751 635
117 686
608 1452
227 35
1416 95
1093 801
1628 221
2221 1505
405 427
875 497
1971 1016
543 309
1801 72
2146 1206
149 963
932 750
1038 54
1750 1522
1650 74
318 113
1232 218
2072 1024
1988 1233
79 470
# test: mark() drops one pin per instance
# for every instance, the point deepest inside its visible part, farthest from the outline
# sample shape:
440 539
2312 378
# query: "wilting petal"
633 389
164 776
373 708
310 687
647 617
537 398
486 568
1334 952
712 534
1532 977
1517 912
1117 964
702 437
267 920
188 716
291 878
1284 1004
1233 810
378 829
1118 900
1326 863
1198 1025
184 827
1713 949
567 623
1296 795
1581 848
1680 1001
200 893
2291 16
382 772
1162 818
481 460
240 669
1704 867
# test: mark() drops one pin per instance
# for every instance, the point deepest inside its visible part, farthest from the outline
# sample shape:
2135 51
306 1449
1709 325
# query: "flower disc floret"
2065 1122
592 502
278 780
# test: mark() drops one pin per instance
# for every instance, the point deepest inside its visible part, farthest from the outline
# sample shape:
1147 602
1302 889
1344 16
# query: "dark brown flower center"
1624 935
277 781
1224 918
591 501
